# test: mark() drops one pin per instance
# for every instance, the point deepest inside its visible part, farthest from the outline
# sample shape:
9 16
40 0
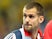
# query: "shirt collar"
29 34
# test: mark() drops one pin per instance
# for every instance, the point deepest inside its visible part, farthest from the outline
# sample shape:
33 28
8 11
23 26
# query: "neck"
34 34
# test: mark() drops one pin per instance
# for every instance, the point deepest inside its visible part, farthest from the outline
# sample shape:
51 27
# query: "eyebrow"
29 14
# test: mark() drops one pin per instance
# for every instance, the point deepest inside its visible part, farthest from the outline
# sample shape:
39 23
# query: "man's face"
30 19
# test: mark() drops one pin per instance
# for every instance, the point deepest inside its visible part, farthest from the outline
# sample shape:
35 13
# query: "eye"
24 15
31 16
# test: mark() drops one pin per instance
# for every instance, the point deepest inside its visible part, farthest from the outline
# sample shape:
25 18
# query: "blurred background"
11 14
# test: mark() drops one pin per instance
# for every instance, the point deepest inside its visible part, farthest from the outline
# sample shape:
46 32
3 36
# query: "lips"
28 25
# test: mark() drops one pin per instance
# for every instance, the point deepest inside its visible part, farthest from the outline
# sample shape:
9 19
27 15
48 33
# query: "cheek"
35 22
23 19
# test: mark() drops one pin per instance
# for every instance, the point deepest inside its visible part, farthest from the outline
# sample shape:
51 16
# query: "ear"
41 19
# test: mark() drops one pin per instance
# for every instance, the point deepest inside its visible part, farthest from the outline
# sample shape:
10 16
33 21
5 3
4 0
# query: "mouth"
28 25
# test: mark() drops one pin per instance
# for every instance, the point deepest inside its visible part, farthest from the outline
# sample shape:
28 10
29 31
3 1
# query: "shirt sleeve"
10 36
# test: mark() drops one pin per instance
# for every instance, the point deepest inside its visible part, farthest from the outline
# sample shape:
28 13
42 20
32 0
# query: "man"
48 30
33 16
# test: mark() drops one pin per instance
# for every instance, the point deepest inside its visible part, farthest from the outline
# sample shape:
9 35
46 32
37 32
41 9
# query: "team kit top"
25 35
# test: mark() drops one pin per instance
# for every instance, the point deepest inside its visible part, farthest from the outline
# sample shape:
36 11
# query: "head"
33 16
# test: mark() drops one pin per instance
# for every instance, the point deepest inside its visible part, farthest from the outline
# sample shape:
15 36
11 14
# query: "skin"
31 20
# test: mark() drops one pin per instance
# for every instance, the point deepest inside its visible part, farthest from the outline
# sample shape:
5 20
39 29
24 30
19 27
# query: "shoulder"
13 34
10 36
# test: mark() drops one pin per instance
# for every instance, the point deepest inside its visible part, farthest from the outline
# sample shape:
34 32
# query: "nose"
27 19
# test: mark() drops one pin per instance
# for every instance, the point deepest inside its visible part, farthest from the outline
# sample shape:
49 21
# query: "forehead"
32 10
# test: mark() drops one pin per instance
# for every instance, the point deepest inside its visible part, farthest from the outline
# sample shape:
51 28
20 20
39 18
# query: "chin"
28 29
